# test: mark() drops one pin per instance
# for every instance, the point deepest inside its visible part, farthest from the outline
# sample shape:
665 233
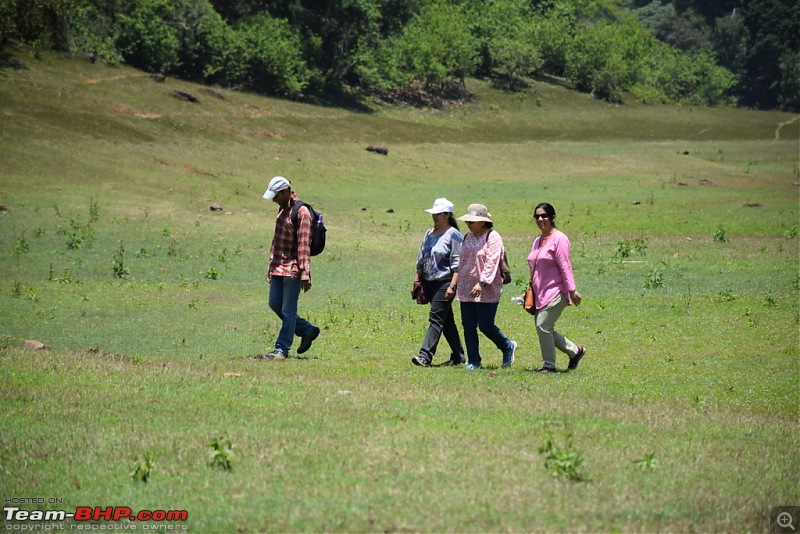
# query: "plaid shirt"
284 258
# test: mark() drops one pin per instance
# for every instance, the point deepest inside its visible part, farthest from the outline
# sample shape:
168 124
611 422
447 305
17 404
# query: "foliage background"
684 51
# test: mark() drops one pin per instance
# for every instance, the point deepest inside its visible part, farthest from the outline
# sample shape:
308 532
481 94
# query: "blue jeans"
481 315
284 292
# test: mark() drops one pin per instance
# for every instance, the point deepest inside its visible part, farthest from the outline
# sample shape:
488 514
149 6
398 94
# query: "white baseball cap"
276 185
441 205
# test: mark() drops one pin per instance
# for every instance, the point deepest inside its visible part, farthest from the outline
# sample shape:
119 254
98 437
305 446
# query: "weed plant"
701 372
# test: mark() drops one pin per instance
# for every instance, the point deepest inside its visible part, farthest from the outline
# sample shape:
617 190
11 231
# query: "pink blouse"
480 261
553 273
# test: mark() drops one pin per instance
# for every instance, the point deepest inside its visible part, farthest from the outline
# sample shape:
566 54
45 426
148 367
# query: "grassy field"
684 226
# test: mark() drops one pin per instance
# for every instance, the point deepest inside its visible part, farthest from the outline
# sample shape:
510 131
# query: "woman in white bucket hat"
437 269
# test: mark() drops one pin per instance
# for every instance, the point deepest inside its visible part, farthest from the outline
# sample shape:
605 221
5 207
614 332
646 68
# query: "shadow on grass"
339 98
10 61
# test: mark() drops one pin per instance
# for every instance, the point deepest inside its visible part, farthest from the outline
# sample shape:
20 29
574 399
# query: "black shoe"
452 362
419 360
573 362
306 341
544 370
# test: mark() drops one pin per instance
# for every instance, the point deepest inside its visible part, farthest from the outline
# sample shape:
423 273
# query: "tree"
506 35
773 28
437 46
608 59
266 57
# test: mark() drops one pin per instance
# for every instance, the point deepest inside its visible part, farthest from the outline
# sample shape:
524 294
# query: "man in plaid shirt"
289 269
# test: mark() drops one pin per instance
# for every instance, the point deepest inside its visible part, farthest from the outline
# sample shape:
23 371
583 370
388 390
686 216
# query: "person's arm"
304 247
494 250
561 254
455 262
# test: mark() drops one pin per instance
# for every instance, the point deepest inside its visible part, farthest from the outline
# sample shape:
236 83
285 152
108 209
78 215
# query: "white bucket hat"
441 205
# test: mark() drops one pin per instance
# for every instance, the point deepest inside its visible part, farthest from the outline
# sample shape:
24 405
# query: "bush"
437 47
608 59
554 34
267 58
203 38
378 69
677 77
145 38
93 30
506 35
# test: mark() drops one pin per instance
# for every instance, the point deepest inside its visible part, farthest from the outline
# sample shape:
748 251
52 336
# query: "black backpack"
318 230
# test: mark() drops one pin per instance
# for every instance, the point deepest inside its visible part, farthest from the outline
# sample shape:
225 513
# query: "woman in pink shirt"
553 287
480 284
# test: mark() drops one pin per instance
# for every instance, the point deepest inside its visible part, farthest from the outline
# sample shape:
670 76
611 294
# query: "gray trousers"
549 339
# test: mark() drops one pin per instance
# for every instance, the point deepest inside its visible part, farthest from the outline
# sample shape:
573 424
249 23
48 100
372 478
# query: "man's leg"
284 291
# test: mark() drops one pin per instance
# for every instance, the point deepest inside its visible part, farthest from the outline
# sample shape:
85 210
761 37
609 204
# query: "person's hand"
305 284
477 290
450 294
575 297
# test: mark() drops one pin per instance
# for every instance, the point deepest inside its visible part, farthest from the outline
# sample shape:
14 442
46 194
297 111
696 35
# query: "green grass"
699 374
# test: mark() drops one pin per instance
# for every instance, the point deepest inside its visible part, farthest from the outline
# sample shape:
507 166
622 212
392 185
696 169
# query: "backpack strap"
295 219
295 209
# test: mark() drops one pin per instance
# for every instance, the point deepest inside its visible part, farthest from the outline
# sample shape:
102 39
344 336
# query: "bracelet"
453 288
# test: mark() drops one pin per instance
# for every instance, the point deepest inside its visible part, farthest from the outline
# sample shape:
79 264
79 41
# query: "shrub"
437 47
506 35
145 38
266 57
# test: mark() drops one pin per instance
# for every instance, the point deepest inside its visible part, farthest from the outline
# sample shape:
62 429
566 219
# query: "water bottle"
518 300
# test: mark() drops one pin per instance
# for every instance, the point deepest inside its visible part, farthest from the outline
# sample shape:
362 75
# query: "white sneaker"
508 357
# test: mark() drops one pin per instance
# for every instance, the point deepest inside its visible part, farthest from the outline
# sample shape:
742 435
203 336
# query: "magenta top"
553 273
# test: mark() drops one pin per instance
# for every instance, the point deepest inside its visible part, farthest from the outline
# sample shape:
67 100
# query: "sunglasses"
540 216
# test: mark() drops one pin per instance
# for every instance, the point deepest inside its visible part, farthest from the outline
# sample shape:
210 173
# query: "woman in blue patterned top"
437 268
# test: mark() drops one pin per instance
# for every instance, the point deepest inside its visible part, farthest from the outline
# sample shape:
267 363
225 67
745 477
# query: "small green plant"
118 265
16 290
725 296
640 245
791 233
142 468
623 250
655 279
78 235
94 211
212 273
221 454
563 462
770 301
648 462
64 278
720 236
172 249
21 246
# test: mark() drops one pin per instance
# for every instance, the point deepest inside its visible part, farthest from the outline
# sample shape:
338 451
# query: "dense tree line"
707 52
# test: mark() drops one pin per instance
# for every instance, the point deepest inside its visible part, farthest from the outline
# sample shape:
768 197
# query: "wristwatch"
482 283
